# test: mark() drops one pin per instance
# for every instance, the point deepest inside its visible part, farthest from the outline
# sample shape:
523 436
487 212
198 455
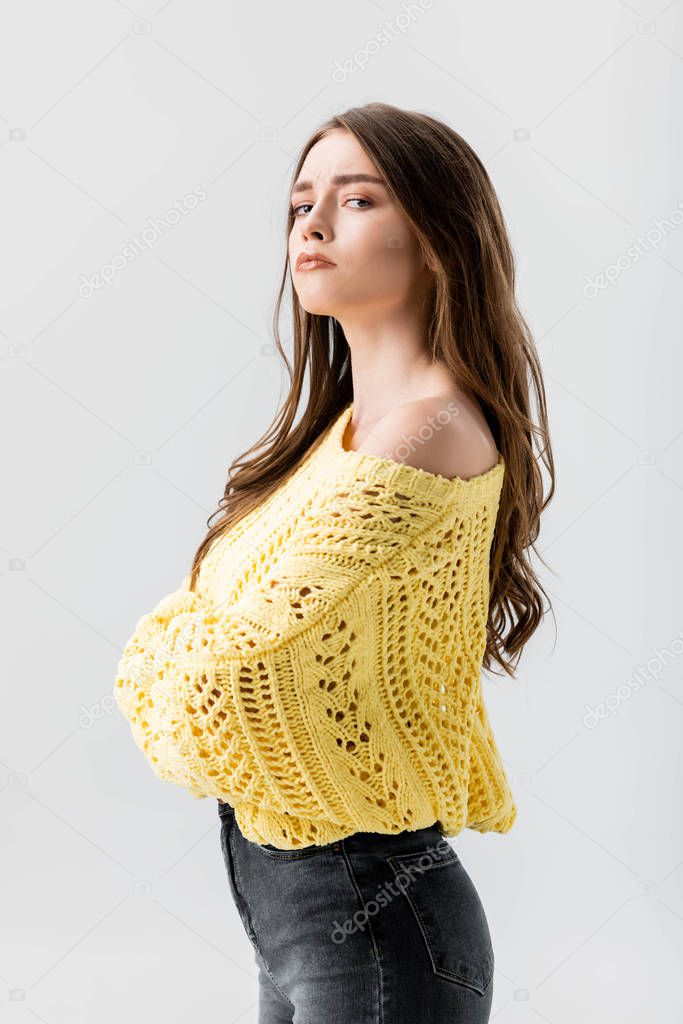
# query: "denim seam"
250 929
275 985
378 963
238 881
238 878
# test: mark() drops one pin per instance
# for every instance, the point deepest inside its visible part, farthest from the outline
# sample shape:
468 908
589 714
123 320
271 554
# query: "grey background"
122 410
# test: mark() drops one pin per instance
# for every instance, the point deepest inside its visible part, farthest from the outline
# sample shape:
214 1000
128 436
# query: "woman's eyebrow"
338 179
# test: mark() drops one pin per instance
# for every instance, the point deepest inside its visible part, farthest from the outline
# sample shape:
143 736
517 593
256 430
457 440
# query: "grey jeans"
373 929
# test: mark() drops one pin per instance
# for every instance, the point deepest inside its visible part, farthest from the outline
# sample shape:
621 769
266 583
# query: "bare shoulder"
440 434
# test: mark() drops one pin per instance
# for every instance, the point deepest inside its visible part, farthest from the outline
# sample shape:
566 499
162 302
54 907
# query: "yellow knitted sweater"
325 676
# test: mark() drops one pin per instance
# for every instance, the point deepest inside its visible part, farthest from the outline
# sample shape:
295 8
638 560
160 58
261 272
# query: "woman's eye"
351 199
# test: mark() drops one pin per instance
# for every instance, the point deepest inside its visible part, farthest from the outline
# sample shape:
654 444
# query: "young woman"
318 670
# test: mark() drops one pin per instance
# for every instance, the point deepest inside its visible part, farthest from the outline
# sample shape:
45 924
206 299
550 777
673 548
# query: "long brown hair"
476 330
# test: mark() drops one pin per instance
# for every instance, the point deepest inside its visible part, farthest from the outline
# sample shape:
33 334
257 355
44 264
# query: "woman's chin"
316 305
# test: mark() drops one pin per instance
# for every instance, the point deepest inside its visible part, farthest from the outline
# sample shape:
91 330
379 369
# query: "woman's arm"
267 699
134 688
318 693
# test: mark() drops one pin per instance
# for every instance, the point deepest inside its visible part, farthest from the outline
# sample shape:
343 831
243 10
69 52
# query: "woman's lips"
316 265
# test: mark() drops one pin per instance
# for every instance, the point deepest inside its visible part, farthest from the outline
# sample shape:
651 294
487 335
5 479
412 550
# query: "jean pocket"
449 914
275 853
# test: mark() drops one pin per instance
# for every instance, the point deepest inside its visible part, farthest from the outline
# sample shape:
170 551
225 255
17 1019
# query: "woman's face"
353 223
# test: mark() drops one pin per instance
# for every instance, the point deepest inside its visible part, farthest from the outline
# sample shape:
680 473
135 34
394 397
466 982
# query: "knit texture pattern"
325 677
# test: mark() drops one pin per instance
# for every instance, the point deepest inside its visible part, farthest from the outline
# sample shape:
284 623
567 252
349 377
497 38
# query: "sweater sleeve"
267 700
338 690
134 688
490 804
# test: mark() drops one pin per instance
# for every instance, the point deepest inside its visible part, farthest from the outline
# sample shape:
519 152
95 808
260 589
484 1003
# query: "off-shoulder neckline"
413 479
